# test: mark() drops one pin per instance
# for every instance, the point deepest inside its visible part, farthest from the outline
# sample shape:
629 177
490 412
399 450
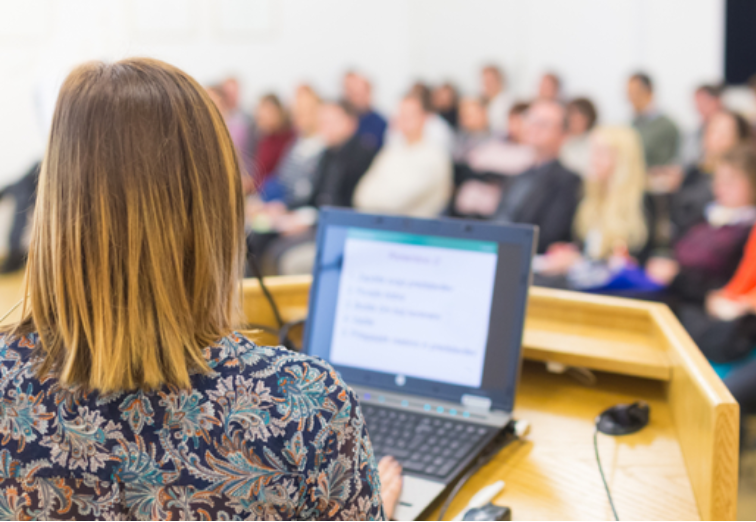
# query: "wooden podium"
684 465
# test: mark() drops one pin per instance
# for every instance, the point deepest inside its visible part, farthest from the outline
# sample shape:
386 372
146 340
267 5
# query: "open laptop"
423 319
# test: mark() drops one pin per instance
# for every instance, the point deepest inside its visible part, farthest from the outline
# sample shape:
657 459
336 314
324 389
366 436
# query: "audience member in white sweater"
411 177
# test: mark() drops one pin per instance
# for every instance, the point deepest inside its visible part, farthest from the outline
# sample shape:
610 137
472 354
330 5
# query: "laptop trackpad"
417 494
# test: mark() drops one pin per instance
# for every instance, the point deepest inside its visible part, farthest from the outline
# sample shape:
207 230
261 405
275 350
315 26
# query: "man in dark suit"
346 158
547 194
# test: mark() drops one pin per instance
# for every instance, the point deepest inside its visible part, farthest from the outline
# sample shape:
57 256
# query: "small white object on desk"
482 497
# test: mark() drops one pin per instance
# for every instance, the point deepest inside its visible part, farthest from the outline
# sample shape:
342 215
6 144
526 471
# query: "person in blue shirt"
359 93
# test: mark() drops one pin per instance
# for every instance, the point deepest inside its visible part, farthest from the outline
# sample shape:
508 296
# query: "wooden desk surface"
554 476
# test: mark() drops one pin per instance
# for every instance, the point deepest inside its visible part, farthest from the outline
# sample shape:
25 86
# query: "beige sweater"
411 180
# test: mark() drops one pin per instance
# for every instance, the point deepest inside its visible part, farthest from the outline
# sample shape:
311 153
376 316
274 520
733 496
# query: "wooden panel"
707 419
554 476
11 290
597 332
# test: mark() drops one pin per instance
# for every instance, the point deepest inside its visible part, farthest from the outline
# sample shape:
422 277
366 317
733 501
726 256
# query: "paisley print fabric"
269 435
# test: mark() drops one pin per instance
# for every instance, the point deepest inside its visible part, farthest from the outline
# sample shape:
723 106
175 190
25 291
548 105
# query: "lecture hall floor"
10 293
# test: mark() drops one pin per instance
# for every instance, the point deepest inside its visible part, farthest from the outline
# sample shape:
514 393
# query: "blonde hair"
137 243
615 207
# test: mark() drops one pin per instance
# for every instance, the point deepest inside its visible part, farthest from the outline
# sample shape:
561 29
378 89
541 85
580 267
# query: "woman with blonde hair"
126 392
611 223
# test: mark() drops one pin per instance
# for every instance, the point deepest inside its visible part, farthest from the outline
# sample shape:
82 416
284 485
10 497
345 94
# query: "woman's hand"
662 270
560 258
725 309
390 473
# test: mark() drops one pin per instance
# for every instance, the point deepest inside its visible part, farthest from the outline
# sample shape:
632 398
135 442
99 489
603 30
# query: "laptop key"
446 468
463 450
414 465
397 453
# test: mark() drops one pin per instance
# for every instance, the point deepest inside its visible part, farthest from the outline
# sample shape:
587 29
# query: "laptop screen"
431 308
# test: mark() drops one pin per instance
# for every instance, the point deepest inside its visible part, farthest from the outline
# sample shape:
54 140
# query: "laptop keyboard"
421 443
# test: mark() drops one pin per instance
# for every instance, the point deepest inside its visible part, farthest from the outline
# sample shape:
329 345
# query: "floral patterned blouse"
271 434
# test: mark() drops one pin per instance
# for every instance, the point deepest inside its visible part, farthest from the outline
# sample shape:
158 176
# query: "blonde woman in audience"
611 225
128 394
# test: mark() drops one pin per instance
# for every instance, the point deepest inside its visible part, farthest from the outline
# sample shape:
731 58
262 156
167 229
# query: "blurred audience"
611 225
372 126
547 194
297 169
437 131
286 246
473 128
708 102
691 189
240 124
660 136
550 87
446 103
276 135
23 192
498 100
411 176
706 257
346 158
509 155
581 118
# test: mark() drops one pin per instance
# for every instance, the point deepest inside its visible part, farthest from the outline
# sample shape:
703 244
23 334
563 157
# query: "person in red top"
737 302
276 137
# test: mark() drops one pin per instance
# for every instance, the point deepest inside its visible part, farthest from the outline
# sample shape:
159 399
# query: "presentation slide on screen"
417 306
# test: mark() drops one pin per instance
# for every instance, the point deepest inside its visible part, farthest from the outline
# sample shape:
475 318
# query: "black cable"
258 275
603 477
507 437
283 328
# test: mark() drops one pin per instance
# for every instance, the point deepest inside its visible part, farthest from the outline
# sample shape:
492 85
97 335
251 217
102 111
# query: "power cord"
282 333
603 477
512 432
12 309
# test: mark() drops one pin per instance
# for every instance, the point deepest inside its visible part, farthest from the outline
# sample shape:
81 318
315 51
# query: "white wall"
593 44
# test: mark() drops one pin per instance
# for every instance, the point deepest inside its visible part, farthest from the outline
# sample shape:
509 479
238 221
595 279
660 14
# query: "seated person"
661 138
575 154
411 176
23 192
287 246
707 256
691 190
446 103
725 327
139 398
436 131
240 124
550 87
547 194
610 227
276 136
358 91
473 129
296 172
498 99
509 156
481 178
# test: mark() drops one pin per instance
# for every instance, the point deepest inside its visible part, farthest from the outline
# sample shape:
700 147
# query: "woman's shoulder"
16 347
286 374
